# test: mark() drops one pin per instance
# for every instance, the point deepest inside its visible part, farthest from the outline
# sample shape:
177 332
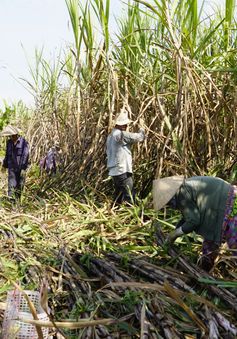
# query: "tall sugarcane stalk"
168 65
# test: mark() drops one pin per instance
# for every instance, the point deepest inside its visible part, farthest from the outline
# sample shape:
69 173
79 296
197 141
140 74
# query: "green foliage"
85 259
219 283
81 307
9 268
130 299
233 174
6 115
16 114
127 328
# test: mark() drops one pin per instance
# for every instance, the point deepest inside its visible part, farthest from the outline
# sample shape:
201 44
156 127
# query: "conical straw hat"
122 118
164 189
9 130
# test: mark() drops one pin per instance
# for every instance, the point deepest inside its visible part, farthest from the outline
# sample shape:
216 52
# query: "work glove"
173 236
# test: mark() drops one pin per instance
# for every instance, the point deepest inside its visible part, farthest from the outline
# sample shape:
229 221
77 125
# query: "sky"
29 24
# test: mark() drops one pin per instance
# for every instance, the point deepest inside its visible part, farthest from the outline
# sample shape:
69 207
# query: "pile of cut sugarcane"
106 273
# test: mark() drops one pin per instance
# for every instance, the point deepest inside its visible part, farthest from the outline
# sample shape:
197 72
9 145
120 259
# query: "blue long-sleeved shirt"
17 155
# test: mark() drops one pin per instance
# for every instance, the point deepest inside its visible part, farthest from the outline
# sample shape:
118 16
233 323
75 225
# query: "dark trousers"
124 191
15 183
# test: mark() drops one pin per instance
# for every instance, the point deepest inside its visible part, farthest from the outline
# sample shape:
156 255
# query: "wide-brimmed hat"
9 130
122 118
164 189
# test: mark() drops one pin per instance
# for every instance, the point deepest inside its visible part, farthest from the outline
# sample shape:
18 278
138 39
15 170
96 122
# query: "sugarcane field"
118 189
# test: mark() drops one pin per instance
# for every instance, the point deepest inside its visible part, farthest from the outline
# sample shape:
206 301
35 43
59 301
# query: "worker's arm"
190 216
5 160
25 156
130 138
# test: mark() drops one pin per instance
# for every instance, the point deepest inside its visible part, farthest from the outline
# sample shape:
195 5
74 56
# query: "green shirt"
202 202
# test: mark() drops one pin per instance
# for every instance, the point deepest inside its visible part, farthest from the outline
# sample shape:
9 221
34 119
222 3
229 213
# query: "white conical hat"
9 130
122 118
164 189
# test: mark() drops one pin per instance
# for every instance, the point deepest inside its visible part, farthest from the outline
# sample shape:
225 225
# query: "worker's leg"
12 183
118 194
230 234
123 185
20 179
128 192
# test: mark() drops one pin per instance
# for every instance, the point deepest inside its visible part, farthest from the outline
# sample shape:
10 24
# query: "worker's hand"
173 236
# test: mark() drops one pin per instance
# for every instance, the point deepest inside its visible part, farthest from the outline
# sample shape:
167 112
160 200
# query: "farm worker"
119 157
51 161
208 206
16 160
